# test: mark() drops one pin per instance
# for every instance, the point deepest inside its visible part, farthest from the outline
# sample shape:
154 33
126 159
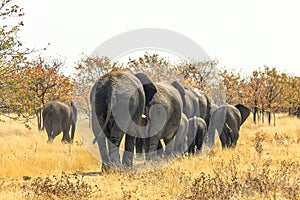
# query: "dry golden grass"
265 165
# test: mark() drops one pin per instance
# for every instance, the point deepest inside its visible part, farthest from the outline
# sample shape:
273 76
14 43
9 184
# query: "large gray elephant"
163 120
118 99
189 101
59 117
196 133
227 120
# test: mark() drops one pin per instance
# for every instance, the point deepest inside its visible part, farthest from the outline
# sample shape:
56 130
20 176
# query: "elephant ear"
148 86
244 112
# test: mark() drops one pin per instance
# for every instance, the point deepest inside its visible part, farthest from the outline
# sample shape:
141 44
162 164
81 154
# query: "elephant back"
169 99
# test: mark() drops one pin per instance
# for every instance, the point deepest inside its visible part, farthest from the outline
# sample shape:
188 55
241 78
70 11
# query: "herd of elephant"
157 119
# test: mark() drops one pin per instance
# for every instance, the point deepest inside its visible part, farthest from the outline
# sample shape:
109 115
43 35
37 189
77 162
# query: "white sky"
239 34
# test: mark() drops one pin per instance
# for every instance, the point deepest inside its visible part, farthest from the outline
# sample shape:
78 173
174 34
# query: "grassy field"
264 165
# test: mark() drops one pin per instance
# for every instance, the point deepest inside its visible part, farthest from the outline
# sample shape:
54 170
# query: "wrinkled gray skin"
213 108
180 140
59 117
97 131
227 120
204 104
190 102
119 98
163 119
196 133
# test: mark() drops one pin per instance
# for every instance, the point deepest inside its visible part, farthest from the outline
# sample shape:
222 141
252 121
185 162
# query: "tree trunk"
290 108
269 117
258 115
262 116
255 114
38 114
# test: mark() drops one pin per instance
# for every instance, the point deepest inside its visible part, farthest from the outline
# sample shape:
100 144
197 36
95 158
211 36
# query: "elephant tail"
73 129
46 115
109 112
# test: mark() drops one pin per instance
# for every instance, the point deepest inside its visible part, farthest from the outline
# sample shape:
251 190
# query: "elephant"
227 120
196 133
118 100
205 104
59 117
180 140
189 101
163 115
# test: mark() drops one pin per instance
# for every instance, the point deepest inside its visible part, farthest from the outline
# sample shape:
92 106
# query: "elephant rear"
51 119
57 118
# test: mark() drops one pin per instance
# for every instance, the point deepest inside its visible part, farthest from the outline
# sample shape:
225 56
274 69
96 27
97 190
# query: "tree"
292 97
42 82
88 70
254 93
156 67
12 55
10 47
275 91
233 86
35 85
200 75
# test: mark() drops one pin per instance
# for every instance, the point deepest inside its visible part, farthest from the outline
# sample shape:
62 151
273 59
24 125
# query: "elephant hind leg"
49 134
66 136
234 137
139 145
73 131
223 139
129 151
114 142
199 139
226 136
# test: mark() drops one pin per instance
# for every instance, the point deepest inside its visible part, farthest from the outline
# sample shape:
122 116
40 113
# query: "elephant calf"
59 117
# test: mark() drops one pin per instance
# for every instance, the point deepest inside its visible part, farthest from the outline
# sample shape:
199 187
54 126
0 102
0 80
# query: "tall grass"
264 165
25 152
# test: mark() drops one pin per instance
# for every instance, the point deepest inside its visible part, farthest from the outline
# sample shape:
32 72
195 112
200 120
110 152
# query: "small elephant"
196 133
59 117
227 120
